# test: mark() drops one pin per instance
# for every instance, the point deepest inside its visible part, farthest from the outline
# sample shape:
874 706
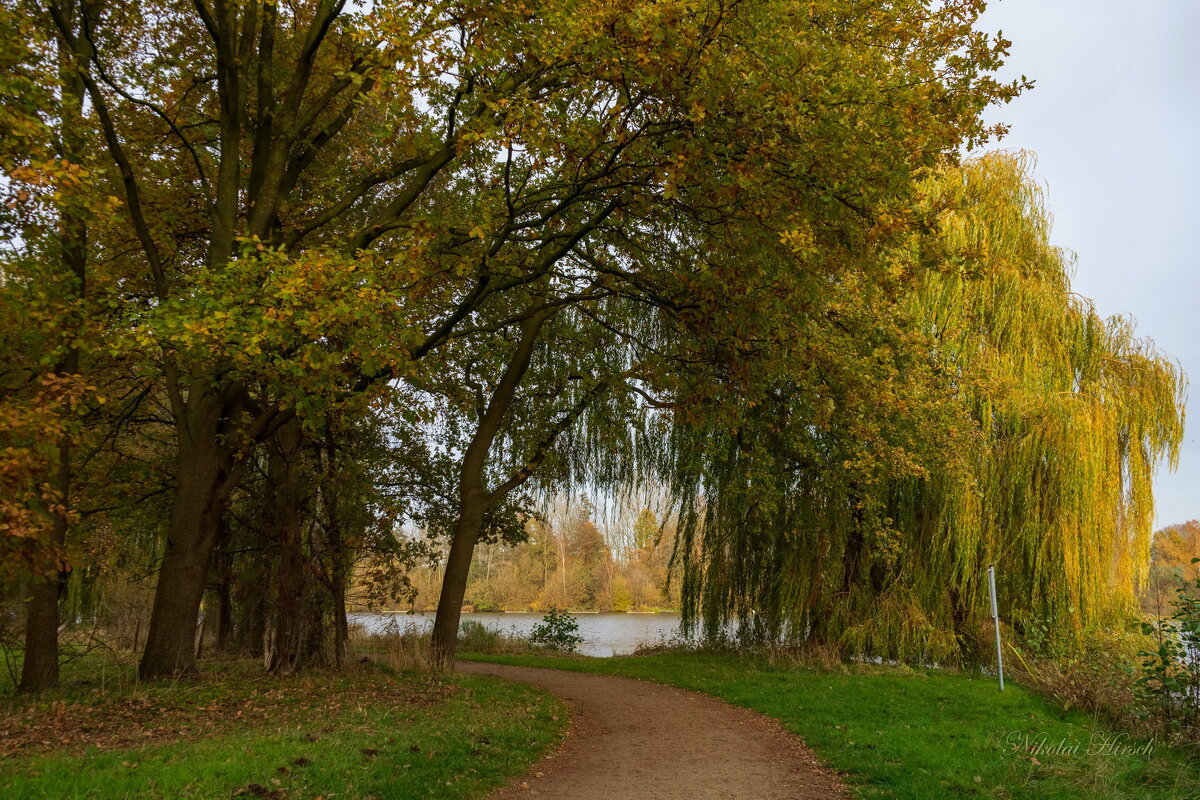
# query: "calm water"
603 634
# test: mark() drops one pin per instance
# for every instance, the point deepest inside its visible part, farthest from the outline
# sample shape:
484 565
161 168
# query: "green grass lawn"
922 734
368 732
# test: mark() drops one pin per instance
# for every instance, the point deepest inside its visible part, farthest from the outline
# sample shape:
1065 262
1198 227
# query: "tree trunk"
339 574
39 671
335 552
472 507
291 564
341 622
288 630
224 592
827 608
194 526
249 632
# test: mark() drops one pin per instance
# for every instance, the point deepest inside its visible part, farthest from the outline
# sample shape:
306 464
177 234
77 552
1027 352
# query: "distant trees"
567 562
1171 567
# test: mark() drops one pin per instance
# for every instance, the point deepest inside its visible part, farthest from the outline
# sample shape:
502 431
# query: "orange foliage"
31 426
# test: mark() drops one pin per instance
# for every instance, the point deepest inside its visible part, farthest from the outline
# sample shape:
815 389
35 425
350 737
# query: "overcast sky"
1114 119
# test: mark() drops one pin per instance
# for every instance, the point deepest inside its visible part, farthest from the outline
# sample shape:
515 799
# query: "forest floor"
636 739
889 731
367 732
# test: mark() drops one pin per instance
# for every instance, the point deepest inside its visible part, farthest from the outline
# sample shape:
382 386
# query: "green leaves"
713 205
923 423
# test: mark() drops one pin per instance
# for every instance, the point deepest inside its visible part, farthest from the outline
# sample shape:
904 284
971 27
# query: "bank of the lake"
908 734
604 633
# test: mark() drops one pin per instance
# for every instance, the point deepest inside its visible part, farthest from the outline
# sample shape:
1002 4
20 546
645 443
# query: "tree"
646 530
995 419
44 280
524 420
593 563
1171 567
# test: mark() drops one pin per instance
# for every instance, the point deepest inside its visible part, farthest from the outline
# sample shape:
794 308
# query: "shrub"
1168 686
557 630
1145 680
1094 675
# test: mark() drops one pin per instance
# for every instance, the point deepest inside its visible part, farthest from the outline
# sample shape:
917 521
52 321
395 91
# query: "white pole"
996 624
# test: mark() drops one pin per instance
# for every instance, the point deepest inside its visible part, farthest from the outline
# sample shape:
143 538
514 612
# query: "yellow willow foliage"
973 412
1074 412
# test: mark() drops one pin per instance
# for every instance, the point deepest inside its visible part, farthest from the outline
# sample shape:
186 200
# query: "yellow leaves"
1043 386
981 413
824 412
32 426
28 175
888 224
799 240
63 176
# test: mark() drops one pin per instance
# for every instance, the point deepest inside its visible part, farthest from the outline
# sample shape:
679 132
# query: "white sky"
1114 119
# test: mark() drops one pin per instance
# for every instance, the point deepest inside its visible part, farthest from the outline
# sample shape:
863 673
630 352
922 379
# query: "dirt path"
634 740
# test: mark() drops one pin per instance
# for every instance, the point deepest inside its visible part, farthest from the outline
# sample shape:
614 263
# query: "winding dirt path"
635 740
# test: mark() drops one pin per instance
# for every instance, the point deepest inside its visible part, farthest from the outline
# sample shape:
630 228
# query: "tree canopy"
977 413
285 278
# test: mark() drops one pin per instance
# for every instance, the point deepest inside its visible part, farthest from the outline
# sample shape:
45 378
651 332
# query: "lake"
605 634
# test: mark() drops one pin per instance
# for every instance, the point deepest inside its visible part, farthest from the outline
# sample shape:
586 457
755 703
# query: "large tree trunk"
201 485
334 558
339 575
39 671
291 565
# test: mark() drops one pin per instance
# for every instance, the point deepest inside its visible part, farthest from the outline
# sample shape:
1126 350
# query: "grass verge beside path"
913 734
366 733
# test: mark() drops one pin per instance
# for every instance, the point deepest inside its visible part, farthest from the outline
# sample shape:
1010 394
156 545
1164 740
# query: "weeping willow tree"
963 409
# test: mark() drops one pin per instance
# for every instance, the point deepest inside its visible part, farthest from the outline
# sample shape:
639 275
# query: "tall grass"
407 645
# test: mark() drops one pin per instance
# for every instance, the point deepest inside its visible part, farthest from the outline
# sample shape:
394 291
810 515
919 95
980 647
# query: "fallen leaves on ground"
153 715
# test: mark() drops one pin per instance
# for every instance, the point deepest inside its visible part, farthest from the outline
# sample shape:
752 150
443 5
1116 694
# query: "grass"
896 732
369 732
